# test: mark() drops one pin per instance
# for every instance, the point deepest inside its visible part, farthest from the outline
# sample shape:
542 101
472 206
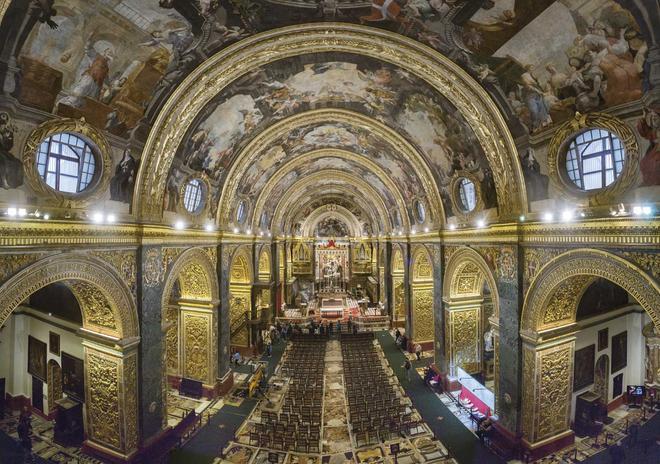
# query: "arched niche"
110 334
240 298
422 286
399 315
264 265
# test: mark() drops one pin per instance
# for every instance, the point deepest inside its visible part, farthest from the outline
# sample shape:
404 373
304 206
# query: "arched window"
66 162
240 212
594 159
193 196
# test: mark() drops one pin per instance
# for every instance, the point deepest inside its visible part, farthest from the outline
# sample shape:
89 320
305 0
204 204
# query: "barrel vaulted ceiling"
288 123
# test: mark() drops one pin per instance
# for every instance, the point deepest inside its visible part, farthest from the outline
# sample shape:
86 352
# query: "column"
652 335
225 379
547 386
111 399
152 368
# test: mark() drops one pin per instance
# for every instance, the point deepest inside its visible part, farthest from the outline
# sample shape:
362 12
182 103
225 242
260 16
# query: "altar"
332 268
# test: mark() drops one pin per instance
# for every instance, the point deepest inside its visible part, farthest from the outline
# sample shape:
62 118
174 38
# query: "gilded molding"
197 336
98 314
422 312
264 266
103 386
10 264
463 337
422 265
234 61
123 262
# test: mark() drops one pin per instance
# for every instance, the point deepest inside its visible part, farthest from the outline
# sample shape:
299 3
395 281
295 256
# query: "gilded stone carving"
98 314
468 280
556 367
534 259
423 323
649 261
423 269
172 339
154 272
54 384
264 266
449 252
585 262
103 161
124 262
170 254
564 301
130 402
398 294
240 270
213 254
194 282
12 263
238 307
397 261
464 338
528 393
196 345
565 133
471 100
102 393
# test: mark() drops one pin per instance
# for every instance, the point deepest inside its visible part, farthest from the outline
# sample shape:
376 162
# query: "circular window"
193 196
66 162
467 195
594 159
420 211
241 212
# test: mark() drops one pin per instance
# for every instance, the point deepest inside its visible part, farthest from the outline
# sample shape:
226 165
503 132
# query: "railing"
239 324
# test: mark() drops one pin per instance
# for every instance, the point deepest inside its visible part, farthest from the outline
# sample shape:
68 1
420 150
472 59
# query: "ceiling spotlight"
179 225
37 214
97 217
12 212
111 218
647 210
22 212
413 231
236 230
269 234
522 218
567 215
46 216
249 231
452 226
582 214
548 217
481 223
426 230
209 227
400 233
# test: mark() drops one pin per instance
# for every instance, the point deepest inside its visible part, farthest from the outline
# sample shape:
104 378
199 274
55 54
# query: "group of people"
401 341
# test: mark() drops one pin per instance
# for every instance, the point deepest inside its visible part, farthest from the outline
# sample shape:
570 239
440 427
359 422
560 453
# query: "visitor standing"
407 366
269 349
418 351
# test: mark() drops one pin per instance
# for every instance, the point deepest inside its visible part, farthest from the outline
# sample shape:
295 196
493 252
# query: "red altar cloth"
476 402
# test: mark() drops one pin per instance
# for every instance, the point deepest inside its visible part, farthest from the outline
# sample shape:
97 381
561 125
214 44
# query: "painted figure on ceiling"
649 128
11 169
92 73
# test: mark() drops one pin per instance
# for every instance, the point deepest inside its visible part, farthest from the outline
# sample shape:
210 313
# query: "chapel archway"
399 315
240 299
110 335
423 311
548 327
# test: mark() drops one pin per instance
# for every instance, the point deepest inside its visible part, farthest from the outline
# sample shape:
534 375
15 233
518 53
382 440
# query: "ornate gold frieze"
172 339
535 259
422 314
194 282
554 390
563 303
649 261
558 146
10 264
170 254
464 339
398 294
197 345
130 402
239 305
422 267
264 266
102 399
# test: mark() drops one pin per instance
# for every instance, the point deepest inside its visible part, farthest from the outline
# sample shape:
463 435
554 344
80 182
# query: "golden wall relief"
124 262
399 297
130 402
423 269
102 381
496 370
154 271
240 270
422 314
169 255
381 279
563 304
194 282
239 305
468 280
650 262
172 340
264 266
534 259
197 341
97 312
464 339
54 384
397 262
547 388
11 264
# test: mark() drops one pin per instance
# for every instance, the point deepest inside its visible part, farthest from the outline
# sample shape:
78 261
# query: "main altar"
332 271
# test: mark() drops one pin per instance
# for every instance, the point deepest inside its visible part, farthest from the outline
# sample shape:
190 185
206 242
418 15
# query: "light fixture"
111 218
426 230
46 216
22 212
209 227
236 230
582 214
37 214
567 215
452 226
548 216
269 234
179 225
647 210
642 210
249 231
481 223
400 233
12 212
413 231
522 218
97 217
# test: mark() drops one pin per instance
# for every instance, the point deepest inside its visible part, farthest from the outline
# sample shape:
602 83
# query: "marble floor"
337 441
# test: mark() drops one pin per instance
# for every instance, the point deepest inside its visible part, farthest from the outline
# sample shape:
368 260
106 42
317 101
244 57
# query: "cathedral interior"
329 231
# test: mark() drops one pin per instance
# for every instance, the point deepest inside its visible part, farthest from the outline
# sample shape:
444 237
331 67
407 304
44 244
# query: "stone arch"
553 295
110 338
465 275
263 268
422 299
548 327
190 324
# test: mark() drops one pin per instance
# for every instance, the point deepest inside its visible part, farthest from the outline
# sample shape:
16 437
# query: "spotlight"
12 212
481 223
400 233
567 215
209 227
97 217
179 225
22 212
522 218
582 214
548 217
647 210
46 216
110 218
37 214
249 231
236 230
452 226
413 231
269 234
426 230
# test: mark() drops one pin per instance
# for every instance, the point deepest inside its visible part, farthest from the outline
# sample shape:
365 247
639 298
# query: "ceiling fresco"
116 62
331 200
